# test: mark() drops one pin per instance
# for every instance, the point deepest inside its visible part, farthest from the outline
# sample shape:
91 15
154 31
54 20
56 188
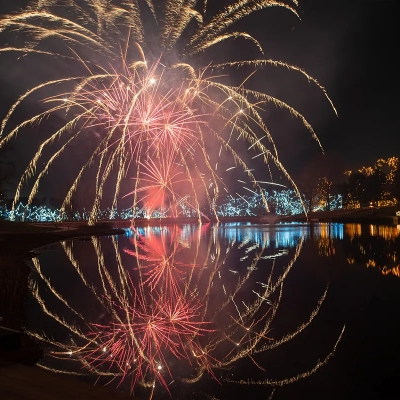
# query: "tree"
6 171
317 181
325 191
309 188
393 179
365 186
395 186
356 188
375 186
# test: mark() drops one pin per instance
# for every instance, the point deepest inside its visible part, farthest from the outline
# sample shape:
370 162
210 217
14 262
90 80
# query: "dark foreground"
19 379
20 382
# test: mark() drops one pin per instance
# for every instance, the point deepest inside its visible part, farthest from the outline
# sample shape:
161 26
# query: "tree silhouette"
6 172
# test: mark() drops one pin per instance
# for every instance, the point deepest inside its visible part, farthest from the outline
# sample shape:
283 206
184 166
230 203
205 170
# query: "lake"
224 311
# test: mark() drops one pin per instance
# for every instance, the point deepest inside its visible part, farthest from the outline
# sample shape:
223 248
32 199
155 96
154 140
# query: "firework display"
157 122
166 305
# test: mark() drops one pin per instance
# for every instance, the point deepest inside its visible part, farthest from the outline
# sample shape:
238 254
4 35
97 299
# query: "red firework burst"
150 334
160 182
142 107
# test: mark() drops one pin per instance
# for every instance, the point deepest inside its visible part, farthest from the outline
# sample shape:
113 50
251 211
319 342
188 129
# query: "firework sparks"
147 111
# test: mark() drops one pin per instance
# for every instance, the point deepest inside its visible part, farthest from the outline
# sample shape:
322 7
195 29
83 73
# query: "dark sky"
350 46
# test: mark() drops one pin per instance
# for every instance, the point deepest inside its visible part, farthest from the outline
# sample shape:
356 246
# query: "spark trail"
155 124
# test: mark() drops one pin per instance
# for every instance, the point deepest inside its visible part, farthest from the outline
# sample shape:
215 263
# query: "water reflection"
170 305
384 231
375 246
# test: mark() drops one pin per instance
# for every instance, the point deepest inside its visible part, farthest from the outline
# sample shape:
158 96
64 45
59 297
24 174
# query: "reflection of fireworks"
140 345
139 107
160 264
169 319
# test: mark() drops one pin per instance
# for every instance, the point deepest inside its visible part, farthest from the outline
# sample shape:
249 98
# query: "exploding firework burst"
169 306
153 115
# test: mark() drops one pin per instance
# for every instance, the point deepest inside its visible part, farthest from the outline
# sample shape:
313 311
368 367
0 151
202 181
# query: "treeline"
376 185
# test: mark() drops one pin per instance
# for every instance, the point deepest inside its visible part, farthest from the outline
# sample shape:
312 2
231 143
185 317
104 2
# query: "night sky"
349 46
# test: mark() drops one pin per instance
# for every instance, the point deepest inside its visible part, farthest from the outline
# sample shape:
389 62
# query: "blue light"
284 202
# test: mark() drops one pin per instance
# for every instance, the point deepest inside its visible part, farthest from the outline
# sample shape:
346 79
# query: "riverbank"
19 378
70 229
376 215
19 238
373 215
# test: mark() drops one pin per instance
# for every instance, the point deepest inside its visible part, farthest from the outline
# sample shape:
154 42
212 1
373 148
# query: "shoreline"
22 242
21 238
18 240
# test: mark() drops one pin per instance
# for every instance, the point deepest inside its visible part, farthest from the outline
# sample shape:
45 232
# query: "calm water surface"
224 311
